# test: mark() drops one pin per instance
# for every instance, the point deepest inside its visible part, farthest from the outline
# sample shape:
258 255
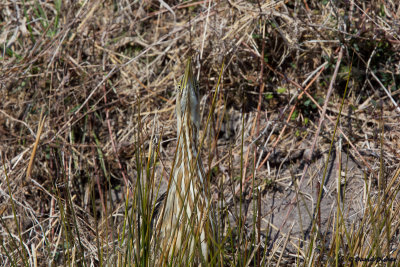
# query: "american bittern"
186 220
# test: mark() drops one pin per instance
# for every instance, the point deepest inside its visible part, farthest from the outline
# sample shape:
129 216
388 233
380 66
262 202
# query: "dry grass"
302 145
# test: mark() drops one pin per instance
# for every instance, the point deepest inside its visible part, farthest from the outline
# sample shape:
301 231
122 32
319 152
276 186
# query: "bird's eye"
179 87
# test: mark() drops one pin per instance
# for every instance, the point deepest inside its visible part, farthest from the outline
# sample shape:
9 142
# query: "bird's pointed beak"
188 79
189 95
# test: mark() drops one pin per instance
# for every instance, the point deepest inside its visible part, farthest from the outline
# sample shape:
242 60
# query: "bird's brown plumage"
185 222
